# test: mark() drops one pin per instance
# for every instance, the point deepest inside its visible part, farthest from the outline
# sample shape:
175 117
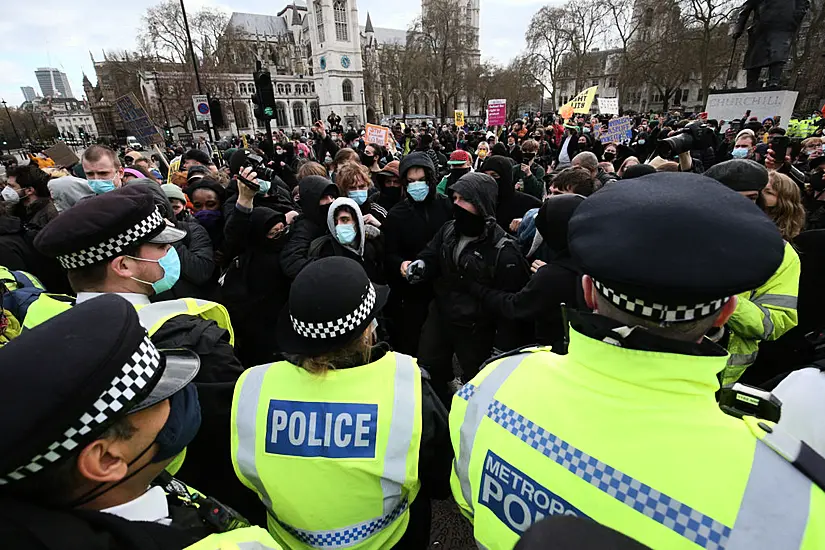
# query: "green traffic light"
268 111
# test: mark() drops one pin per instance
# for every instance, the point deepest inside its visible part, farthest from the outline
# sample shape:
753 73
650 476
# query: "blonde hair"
311 169
357 352
789 213
347 175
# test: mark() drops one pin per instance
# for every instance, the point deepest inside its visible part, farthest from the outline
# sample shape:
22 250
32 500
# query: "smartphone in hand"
779 145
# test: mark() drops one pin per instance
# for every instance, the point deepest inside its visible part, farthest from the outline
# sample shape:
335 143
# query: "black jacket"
310 225
372 261
17 252
208 467
511 204
37 214
773 29
254 288
493 259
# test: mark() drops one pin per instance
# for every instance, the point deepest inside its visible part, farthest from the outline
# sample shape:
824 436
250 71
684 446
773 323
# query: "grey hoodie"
333 208
67 190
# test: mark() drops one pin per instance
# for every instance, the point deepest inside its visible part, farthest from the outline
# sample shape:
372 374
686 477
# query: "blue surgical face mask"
360 197
265 186
345 233
418 190
182 424
170 264
740 152
101 186
641 142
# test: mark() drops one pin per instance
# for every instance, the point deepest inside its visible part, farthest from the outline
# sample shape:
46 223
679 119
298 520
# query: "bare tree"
547 42
709 20
807 72
162 34
586 26
401 69
664 63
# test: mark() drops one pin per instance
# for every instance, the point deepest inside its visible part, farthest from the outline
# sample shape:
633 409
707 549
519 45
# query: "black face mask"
392 194
609 156
467 223
528 157
366 160
323 211
456 173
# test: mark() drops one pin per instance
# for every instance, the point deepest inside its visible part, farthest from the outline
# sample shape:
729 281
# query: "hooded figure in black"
316 194
512 204
472 247
255 288
556 283
410 225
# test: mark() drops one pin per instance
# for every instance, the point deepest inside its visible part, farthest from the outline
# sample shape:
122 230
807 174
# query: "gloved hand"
415 272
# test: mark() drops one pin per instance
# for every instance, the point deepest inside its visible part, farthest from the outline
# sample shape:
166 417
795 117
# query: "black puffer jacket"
17 252
493 259
511 204
310 225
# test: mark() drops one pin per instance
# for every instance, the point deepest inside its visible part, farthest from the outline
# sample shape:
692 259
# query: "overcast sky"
61 33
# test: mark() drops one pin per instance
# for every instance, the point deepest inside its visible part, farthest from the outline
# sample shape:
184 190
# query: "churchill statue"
770 35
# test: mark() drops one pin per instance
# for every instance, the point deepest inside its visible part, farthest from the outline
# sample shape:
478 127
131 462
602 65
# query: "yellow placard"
459 118
582 102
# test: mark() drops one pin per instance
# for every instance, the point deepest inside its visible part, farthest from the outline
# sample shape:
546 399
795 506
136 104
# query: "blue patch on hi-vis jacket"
331 430
516 498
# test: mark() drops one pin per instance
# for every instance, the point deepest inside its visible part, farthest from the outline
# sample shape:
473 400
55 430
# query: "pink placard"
497 112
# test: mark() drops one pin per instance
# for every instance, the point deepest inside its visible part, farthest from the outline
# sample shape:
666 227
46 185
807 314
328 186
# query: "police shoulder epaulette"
801 456
532 348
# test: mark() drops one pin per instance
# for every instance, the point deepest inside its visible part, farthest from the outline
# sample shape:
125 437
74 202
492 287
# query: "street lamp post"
13 127
364 105
195 65
36 127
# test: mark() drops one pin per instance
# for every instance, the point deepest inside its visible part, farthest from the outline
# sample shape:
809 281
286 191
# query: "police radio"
740 400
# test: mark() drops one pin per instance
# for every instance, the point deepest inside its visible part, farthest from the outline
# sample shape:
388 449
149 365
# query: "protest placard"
619 130
609 105
379 135
583 101
459 118
61 154
497 112
137 121
733 105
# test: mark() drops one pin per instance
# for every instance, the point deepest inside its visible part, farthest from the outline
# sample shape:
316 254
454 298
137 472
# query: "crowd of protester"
467 227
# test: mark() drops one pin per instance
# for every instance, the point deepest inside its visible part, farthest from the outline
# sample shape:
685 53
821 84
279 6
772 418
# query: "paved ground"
450 530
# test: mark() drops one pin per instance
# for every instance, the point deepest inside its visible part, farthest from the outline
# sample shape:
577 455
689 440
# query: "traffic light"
216 112
264 98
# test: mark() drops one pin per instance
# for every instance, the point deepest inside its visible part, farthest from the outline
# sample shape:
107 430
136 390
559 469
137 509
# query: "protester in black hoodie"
472 247
512 204
409 226
315 196
17 252
255 288
558 282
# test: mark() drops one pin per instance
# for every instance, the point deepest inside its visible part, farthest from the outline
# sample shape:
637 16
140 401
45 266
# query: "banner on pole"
459 118
619 130
201 104
137 121
379 135
582 102
497 112
609 105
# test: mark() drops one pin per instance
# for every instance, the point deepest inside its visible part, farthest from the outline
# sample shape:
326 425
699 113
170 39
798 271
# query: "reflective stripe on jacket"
763 314
630 439
333 457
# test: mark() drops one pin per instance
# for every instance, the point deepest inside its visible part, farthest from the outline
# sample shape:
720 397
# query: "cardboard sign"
61 154
137 121
201 105
379 135
618 130
732 105
459 118
497 112
609 105
582 102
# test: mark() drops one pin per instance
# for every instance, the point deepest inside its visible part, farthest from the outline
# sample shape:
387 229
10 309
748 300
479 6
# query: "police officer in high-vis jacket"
119 242
346 442
625 429
91 415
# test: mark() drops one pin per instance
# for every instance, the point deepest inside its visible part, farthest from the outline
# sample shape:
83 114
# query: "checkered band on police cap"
135 375
659 312
338 327
110 248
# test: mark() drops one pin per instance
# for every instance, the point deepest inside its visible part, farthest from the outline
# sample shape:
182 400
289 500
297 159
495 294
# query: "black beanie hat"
740 174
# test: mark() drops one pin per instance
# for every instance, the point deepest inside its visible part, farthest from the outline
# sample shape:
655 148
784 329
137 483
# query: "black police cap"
102 227
672 247
65 382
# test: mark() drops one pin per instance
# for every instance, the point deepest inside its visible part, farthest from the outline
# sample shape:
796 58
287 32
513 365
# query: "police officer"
120 243
346 442
90 420
625 429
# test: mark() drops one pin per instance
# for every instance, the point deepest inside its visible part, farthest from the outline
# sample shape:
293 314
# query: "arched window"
319 21
386 102
251 87
416 105
242 87
395 106
243 119
288 88
346 88
280 114
426 104
339 7
280 89
298 114
314 110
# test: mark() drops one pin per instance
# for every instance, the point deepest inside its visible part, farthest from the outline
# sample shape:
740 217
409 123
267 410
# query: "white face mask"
10 195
